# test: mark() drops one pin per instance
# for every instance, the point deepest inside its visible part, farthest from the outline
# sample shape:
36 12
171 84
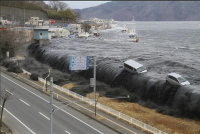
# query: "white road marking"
54 105
24 102
44 116
8 91
67 132
19 120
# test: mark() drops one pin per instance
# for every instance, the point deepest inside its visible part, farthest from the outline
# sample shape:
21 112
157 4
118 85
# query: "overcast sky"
82 4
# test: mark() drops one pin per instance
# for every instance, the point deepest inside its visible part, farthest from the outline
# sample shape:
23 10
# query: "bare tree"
11 40
42 4
58 5
62 6
5 95
54 5
77 15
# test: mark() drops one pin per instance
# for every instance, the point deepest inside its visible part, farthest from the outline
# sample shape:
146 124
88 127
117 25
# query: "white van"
134 67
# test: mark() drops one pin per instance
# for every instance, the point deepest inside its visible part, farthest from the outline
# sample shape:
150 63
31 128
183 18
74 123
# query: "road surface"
28 112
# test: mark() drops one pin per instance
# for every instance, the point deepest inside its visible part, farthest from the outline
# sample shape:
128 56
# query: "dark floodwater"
163 47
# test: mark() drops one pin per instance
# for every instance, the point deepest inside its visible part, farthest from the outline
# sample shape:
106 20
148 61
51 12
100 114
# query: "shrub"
113 92
7 63
34 76
18 70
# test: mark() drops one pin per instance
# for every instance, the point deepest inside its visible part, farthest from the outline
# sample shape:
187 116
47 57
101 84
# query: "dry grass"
19 57
68 86
165 123
5 129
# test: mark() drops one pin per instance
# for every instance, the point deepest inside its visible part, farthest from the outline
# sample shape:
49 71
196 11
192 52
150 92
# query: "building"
34 21
75 28
40 22
58 32
96 20
41 35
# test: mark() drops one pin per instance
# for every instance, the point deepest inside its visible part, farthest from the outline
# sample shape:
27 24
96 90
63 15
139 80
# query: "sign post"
79 63
82 63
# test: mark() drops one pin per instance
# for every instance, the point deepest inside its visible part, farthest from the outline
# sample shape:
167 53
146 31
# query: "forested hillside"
57 10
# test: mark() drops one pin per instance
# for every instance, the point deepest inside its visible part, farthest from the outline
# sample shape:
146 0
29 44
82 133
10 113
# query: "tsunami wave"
185 100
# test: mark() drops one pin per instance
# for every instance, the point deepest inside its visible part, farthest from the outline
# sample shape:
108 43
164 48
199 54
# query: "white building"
76 28
34 21
96 20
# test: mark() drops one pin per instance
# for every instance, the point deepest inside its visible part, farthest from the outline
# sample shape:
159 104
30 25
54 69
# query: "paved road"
28 112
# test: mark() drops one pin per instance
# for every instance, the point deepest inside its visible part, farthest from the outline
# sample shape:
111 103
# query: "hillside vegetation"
65 14
145 11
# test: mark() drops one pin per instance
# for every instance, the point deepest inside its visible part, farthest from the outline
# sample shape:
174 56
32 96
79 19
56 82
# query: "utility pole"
94 95
13 21
51 103
46 80
24 17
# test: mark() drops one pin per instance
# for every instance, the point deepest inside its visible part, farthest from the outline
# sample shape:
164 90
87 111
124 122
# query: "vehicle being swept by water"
176 80
134 67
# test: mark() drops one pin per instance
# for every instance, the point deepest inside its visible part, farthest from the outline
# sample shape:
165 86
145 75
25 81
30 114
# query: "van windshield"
181 79
140 69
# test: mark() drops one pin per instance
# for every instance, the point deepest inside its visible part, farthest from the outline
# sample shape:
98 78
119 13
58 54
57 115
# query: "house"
41 35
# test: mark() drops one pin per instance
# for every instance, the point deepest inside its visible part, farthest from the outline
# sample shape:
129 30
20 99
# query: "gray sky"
82 4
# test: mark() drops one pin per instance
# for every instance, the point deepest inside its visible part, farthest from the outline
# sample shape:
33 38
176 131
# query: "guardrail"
105 108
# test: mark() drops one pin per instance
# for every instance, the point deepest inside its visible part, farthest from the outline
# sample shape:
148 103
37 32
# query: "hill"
18 14
18 9
145 11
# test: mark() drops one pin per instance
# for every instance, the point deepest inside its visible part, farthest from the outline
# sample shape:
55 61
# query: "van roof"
175 75
133 63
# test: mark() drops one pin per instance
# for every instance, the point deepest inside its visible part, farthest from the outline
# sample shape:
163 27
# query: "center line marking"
8 91
24 102
44 116
67 132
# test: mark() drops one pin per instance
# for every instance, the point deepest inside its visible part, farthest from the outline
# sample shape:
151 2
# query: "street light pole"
45 80
51 103
94 95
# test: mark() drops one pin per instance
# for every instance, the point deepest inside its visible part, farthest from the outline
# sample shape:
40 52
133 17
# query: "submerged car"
134 67
176 79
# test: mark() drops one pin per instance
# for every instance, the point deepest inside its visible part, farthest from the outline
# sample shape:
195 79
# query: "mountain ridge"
144 11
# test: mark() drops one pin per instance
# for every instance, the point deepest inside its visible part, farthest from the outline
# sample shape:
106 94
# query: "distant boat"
132 36
96 33
125 29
